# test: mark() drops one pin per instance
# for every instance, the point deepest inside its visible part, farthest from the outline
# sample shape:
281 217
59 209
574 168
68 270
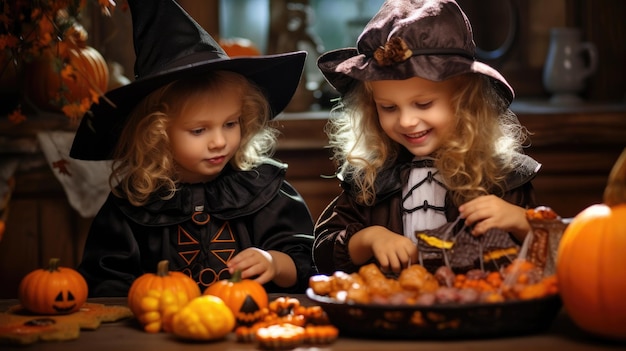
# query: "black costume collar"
232 194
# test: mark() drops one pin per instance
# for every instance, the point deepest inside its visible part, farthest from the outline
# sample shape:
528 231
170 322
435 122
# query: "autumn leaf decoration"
61 165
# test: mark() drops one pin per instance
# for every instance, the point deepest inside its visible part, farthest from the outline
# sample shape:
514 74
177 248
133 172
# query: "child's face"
417 113
206 135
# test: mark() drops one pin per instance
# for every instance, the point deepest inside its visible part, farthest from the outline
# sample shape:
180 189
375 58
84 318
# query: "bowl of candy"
415 305
518 298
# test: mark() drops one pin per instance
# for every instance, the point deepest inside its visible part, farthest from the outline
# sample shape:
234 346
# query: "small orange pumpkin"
204 318
53 290
162 280
590 254
246 298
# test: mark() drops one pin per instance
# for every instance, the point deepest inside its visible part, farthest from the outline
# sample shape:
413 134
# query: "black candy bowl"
443 321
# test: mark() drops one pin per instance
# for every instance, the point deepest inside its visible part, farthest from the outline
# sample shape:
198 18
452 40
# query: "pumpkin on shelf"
53 290
154 298
67 77
44 43
590 258
246 298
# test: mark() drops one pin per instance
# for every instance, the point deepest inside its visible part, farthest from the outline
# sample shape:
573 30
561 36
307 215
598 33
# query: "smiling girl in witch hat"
425 141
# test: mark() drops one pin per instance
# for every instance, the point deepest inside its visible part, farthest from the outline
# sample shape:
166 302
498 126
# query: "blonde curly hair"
143 163
474 163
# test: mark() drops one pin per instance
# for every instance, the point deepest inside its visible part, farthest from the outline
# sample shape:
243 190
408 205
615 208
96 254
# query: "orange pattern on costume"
207 266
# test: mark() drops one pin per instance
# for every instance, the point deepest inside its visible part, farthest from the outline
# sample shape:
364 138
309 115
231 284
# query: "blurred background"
512 35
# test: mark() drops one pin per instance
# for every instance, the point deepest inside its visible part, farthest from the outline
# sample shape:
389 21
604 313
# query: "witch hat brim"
170 45
342 67
100 128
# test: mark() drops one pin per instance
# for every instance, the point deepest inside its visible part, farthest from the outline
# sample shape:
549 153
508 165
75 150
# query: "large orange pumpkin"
70 72
53 290
246 298
591 257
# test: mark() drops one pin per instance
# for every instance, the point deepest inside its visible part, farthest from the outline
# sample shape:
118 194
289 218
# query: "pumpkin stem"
615 191
163 269
53 265
236 276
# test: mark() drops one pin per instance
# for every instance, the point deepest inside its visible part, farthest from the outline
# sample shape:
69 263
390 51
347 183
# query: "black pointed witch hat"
171 45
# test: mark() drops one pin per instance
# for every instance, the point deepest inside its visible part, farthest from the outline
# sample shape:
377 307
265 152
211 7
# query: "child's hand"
490 211
392 251
254 263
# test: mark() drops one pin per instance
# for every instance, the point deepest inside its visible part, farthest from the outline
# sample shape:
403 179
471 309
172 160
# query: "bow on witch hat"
430 39
170 45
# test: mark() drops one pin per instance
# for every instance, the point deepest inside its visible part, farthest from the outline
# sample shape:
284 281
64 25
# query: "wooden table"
126 335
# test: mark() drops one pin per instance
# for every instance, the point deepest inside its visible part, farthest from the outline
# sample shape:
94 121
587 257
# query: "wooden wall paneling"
557 192
41 225
602 23
81 229
57 237
577 151
19 247
302 145
569 182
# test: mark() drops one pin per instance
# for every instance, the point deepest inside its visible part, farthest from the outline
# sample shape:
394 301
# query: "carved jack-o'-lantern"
246 298
53 290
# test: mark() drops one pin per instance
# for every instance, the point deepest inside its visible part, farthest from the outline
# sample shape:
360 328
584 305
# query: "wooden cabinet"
302 145
577 147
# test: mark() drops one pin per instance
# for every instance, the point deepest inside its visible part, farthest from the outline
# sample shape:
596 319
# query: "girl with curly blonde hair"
426 147
193 179
144 161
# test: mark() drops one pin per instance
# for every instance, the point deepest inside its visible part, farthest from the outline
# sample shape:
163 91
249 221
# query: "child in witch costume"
194 181
430 156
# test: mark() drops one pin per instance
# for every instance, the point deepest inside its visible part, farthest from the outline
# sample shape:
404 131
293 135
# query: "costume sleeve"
111 260
336 225
285 224
523 196
519 189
